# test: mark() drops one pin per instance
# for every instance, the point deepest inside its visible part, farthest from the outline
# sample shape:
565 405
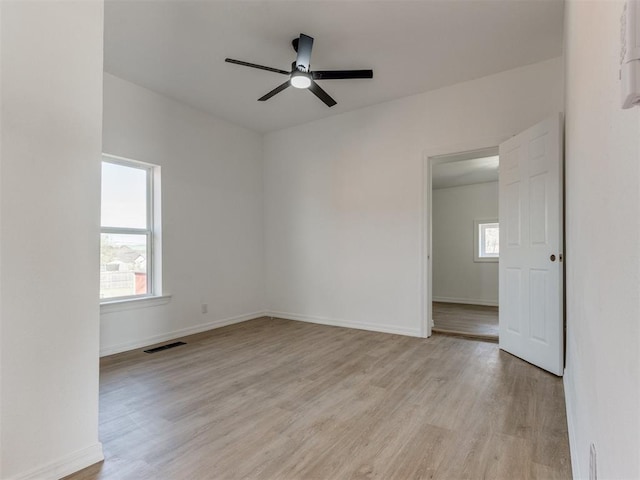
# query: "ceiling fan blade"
253 65
321 94
273 92
341 74
305 44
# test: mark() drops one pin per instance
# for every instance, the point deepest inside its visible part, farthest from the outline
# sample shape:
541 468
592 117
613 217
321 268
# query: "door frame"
430 158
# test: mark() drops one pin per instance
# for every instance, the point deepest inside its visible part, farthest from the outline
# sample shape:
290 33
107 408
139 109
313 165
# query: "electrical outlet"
204 308
593 466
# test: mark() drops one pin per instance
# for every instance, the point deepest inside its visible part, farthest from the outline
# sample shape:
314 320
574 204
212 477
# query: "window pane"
123 265
490 240
124 196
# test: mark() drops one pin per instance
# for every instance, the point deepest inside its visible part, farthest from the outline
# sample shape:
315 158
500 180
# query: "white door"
531 245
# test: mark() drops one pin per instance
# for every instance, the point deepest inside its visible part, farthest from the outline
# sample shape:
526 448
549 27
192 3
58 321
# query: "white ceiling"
465 172
178 48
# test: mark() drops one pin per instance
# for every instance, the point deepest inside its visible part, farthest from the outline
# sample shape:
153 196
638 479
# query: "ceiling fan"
301 75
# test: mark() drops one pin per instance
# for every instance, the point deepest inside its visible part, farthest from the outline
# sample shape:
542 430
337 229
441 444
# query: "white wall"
51 99
602 381
344 195
456 277
211 215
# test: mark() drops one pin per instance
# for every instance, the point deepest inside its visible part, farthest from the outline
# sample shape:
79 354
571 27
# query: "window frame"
477 239
150 231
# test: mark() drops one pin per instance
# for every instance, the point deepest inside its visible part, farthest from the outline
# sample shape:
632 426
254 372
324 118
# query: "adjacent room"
322 239
465 244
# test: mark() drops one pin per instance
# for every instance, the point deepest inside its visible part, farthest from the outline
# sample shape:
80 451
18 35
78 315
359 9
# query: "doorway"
531 267
464 243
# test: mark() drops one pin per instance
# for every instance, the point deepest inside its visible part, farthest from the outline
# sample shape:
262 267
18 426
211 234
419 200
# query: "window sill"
486 260
132 303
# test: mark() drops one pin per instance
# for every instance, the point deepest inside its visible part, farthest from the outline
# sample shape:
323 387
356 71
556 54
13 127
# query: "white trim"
372 327
124 347
466 301
183 332
425 251
64 466
156 240
569 402
127 162
132 303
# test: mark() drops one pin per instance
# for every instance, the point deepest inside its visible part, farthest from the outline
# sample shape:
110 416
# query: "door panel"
538 289
512 227
538 205
531 218
512 303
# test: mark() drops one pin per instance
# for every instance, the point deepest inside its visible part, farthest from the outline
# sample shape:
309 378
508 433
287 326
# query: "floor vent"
164 347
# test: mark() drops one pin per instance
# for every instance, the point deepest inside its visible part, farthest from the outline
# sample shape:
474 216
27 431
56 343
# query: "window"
487 240
128 239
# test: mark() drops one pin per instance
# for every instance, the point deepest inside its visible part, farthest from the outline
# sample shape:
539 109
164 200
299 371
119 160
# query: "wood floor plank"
479 321
282 400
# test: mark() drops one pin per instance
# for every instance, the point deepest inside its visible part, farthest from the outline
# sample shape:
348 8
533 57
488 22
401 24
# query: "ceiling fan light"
300 80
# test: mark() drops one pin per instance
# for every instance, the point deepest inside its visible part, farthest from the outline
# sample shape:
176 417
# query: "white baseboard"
465 301
183 332
65 465
374 327
569 402
124 347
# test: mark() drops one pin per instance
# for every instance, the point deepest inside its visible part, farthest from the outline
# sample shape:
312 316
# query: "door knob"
552 258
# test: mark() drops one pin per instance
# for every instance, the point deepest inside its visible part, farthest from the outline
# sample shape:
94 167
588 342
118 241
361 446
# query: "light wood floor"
277 399
469 320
